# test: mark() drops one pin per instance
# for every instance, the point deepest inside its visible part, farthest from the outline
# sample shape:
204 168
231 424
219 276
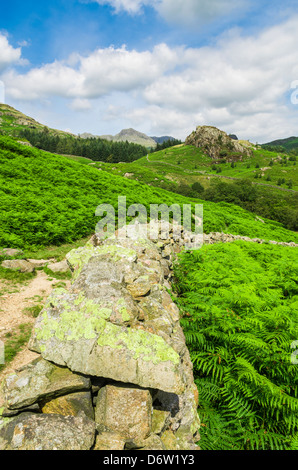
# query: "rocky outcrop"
217 144
113 360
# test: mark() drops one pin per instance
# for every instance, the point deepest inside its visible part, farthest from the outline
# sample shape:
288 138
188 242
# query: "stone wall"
114 372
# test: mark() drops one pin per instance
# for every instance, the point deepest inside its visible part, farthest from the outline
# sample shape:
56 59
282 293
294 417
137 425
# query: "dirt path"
12 314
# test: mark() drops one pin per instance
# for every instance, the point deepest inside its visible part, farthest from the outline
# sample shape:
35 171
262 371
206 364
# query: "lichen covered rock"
47 432
95 328
114 371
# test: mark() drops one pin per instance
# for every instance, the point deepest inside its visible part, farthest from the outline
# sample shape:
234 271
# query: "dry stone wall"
114 372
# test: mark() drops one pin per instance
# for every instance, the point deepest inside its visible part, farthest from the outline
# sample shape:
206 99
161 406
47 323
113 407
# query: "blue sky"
160 66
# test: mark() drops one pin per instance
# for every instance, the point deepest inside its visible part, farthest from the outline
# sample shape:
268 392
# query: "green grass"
52 251
49 200
33 311
15 276
192 161
273 176
15 341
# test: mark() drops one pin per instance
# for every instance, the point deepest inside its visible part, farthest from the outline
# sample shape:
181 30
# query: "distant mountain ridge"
129 135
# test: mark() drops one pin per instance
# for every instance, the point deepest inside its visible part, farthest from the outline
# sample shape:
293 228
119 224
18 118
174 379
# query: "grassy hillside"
49 199
189 164
266 183
238 301
13 122
288 144
263 167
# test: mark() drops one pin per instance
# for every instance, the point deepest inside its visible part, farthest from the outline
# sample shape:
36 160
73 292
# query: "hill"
265 183
49 199
13 122
238 301
288 144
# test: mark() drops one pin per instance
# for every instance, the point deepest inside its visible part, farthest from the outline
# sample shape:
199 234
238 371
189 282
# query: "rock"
40 380
125 411
61 267
140 287
94 346
77 328
117 324
11 252
153 442
217 143
20 265
39 263
109 441
160 420
70 405
169 440
47 432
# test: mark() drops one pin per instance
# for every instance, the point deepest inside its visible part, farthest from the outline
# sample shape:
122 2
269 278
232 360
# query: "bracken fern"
240 317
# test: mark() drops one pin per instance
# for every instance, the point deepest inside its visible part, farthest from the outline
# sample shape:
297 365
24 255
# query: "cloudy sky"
162 67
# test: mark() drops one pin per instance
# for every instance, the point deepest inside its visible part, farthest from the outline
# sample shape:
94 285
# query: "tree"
198 187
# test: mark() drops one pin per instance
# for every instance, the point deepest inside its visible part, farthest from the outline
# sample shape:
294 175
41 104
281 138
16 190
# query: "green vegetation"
273 204
289 145
166 144
240 318
264 184
33 311
94 149
14 341
51 200
238 301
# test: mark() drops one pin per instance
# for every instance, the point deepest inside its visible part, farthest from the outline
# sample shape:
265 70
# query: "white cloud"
187 12
52 79
8 54
80 104
238 84
102 72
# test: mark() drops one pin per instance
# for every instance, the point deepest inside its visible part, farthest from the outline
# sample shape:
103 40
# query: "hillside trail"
198 172
13 304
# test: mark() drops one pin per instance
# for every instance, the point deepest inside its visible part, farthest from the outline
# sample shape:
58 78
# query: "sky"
162 67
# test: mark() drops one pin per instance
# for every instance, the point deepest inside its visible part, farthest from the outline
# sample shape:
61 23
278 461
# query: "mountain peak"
132 136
